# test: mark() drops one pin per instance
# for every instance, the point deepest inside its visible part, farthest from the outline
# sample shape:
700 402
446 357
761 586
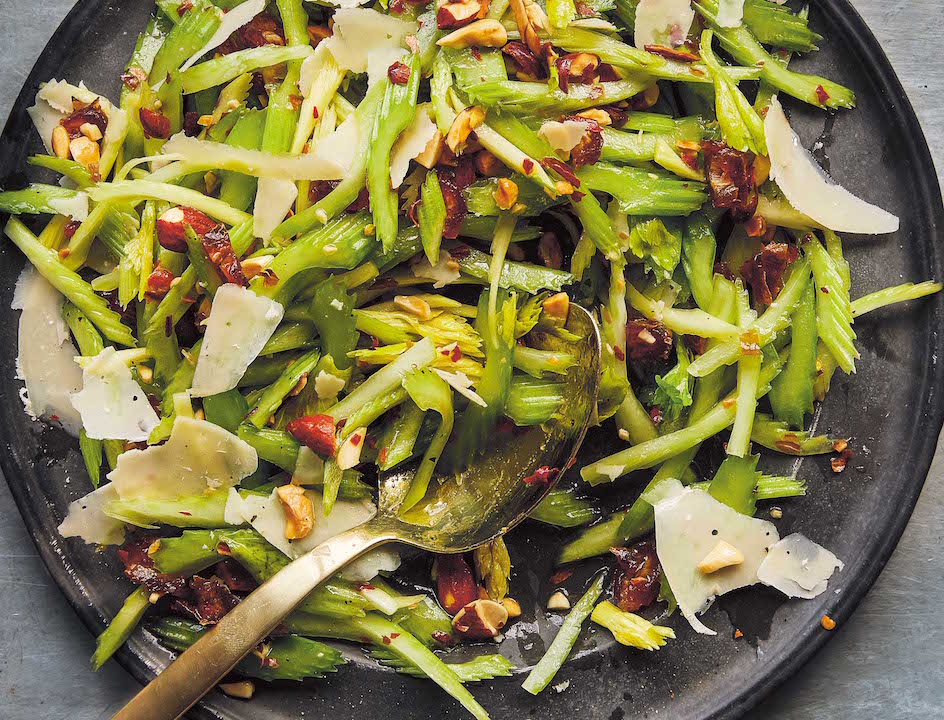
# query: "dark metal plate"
892 408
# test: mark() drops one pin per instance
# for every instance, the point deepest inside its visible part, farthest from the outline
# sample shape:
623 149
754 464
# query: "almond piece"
432 152
480 620
481 33
85 152
557 306
506 195
349 454
600 117
299 513
91 131
512 606
721 556
243 690
455 584
462 127
414 305
558 601
487 164
60 142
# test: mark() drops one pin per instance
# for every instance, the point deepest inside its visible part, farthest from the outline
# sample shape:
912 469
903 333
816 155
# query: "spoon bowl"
461 511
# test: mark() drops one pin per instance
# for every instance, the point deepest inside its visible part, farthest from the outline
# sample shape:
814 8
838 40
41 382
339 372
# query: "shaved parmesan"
343 145
562 136
730 13
239 326
662 22
308 72
357 31
46 354
86 519
689 525
328 386
410 144
274 198
444 272
267 516
58 93
76 207
810 191
379 61
113 406
198 456
282 166
309 468
231 22
365 568
45 118
54 102
798 567
460 382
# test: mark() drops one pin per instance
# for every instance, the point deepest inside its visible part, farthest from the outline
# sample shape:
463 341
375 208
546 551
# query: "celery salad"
307 244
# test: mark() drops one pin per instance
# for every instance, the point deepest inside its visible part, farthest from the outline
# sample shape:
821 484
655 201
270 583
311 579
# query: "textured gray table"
888 662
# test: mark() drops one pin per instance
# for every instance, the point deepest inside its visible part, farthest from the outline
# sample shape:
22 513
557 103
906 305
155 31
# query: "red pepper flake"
296 101
821 94
398 73
382 455
825 290
840 445
738 634
561 575
655 412
314 112
527 166
184 7
365 586
544 475
456 354
618 353
70 228
839 464
394 636
184 512
476 53
356 439
54 417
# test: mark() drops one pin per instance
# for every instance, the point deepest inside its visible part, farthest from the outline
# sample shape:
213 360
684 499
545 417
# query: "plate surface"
892 409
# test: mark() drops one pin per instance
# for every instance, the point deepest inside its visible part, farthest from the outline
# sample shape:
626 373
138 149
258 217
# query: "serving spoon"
459 513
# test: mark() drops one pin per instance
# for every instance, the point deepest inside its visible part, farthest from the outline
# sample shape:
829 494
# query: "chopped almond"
481 33
85 152
60 142
462 127
414 305
299 513
557 306
721 556
506 195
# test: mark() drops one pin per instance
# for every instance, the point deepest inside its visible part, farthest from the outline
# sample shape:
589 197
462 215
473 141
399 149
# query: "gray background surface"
887 662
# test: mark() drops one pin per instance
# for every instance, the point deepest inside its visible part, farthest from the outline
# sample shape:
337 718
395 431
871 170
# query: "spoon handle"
198 669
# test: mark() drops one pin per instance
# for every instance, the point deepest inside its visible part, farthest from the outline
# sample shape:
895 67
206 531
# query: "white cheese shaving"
365 568
46 360
112 405
798 567
337 305
309 468
230 23
730 13
76 207
342 146
379 61
239 325
308 72
689 524
45 119
281 166
662 22
199 455
233 510
810 191
343 3
86 519
58 93
274 198
357 31
411 143
327 385
562 136
461 383
267 516
443 273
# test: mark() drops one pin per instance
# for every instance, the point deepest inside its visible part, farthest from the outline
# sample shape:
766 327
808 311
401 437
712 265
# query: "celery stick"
893 295
630 629
775 435
791 393
562 507
228 67
431 216
429 392
525 98
136 190
643 192
121 626
274 394
192 31
543 673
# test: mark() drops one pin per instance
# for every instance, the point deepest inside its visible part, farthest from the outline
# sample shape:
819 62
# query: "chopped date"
562 169
636 583
218 248
319 189
361 202
69 230
263 29
765 271
398 73
139 567
154 123
525 62
588 150
648 340
191 124
724 270
159 283
316 432
128 315
455 583
453 183
91 114
731 182
208 600
696 344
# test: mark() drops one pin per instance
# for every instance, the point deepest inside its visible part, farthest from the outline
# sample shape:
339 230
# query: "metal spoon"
458 514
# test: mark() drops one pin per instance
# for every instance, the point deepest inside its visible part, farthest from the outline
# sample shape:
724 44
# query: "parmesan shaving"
357 31
798 567
562 136
76 207
460 382
86 519
239 326
410 144
274 198
112 405
45 361
199 456
444 272
328 386
730 13
810 191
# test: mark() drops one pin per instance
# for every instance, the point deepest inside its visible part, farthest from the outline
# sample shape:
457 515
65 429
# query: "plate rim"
843 15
